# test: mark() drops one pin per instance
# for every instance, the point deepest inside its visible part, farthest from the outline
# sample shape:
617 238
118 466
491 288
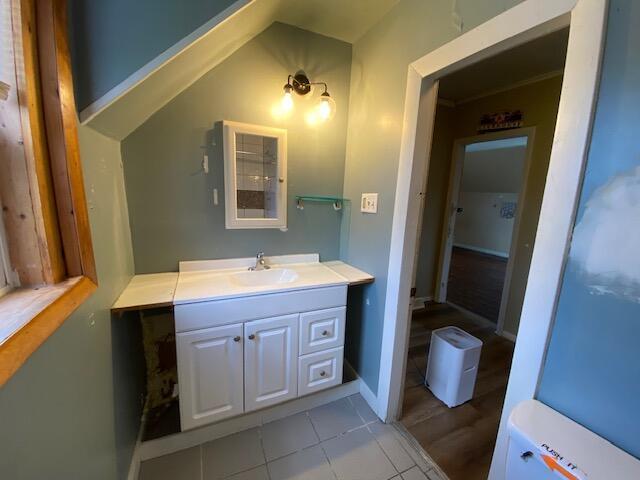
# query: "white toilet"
545 445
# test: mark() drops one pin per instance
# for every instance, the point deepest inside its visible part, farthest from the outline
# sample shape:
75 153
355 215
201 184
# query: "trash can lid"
567 447
458 338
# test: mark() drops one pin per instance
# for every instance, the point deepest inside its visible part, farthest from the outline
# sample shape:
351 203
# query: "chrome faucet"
260 265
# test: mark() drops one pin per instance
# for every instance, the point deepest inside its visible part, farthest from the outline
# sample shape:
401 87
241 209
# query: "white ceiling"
535 59
346 20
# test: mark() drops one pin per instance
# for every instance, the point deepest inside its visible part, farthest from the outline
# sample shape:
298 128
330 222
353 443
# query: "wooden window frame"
44 206
5 275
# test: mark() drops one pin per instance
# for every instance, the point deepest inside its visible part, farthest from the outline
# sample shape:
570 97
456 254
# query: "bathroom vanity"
247 340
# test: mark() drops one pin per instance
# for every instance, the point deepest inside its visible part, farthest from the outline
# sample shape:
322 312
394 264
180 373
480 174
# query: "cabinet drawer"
322 330
320 370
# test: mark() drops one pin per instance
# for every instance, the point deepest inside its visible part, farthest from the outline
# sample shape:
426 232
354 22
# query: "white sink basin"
260 278
207 280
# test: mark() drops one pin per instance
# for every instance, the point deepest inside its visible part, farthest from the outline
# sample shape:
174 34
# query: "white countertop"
354 275
147 291
200 281
206 285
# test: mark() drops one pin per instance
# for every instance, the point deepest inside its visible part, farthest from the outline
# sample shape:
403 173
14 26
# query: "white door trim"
515 236
526 21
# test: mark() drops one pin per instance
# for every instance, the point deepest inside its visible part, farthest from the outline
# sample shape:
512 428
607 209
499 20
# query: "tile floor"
342 440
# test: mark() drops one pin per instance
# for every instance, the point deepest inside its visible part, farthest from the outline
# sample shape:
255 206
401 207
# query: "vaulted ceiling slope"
126 106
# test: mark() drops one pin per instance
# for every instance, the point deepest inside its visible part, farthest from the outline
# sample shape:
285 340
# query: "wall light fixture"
300 84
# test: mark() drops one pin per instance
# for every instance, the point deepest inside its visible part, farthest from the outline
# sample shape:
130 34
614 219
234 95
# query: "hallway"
461 439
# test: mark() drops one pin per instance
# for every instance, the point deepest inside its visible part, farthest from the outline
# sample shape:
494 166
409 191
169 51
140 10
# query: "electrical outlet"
369 203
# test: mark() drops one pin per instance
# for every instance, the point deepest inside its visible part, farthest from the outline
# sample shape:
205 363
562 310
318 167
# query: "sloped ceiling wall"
125 74
112 39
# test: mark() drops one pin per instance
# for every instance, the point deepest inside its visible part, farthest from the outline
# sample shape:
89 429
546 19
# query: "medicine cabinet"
255 169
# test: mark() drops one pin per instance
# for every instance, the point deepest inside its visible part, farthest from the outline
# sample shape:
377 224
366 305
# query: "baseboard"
370 397
507 335
191 438
419 302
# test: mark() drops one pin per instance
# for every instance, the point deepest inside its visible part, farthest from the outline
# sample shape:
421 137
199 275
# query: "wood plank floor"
459 439
476 281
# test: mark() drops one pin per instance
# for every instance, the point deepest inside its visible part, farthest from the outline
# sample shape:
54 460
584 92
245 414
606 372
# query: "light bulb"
326 108
287 102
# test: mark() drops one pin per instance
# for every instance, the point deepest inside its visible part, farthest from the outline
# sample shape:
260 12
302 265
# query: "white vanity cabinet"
232 360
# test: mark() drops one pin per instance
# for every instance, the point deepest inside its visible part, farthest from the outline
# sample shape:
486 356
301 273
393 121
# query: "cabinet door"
210 374
270 361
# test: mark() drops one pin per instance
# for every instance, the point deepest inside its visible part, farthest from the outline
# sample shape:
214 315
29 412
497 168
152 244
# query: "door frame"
528 20
453 191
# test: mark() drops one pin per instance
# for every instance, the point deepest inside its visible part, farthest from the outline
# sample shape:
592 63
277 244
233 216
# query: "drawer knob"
252 337
322 373
325 333
236 339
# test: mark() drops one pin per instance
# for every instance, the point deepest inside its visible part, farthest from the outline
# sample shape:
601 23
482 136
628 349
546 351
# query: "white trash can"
452 365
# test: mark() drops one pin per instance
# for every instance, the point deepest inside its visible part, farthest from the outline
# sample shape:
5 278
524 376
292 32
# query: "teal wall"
592 370
111 39
381 57
73 409
171 206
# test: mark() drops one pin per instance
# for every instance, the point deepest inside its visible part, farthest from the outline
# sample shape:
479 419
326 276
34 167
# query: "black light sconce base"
300 83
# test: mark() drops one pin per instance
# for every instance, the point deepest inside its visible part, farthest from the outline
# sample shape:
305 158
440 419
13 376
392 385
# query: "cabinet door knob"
252 337
325 333
236 339
322 373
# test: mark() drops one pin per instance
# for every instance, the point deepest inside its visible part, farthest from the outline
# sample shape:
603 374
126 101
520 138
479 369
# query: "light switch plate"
369 203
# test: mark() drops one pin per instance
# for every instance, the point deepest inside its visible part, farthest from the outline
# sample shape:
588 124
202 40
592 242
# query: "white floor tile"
288 435
386 437
233 454
433 475
357 456
334 418
184 465
259 473
363 408
309 464
414 474
349 451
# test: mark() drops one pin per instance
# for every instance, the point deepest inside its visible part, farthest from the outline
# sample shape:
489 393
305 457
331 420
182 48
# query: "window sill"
29 316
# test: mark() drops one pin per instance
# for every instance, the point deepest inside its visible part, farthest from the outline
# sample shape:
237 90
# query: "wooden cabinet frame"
42 194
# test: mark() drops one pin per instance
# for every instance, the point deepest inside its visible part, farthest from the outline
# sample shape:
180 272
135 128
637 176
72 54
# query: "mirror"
255 164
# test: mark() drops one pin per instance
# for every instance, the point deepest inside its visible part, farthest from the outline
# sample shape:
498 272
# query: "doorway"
489 176
462 439
482 200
